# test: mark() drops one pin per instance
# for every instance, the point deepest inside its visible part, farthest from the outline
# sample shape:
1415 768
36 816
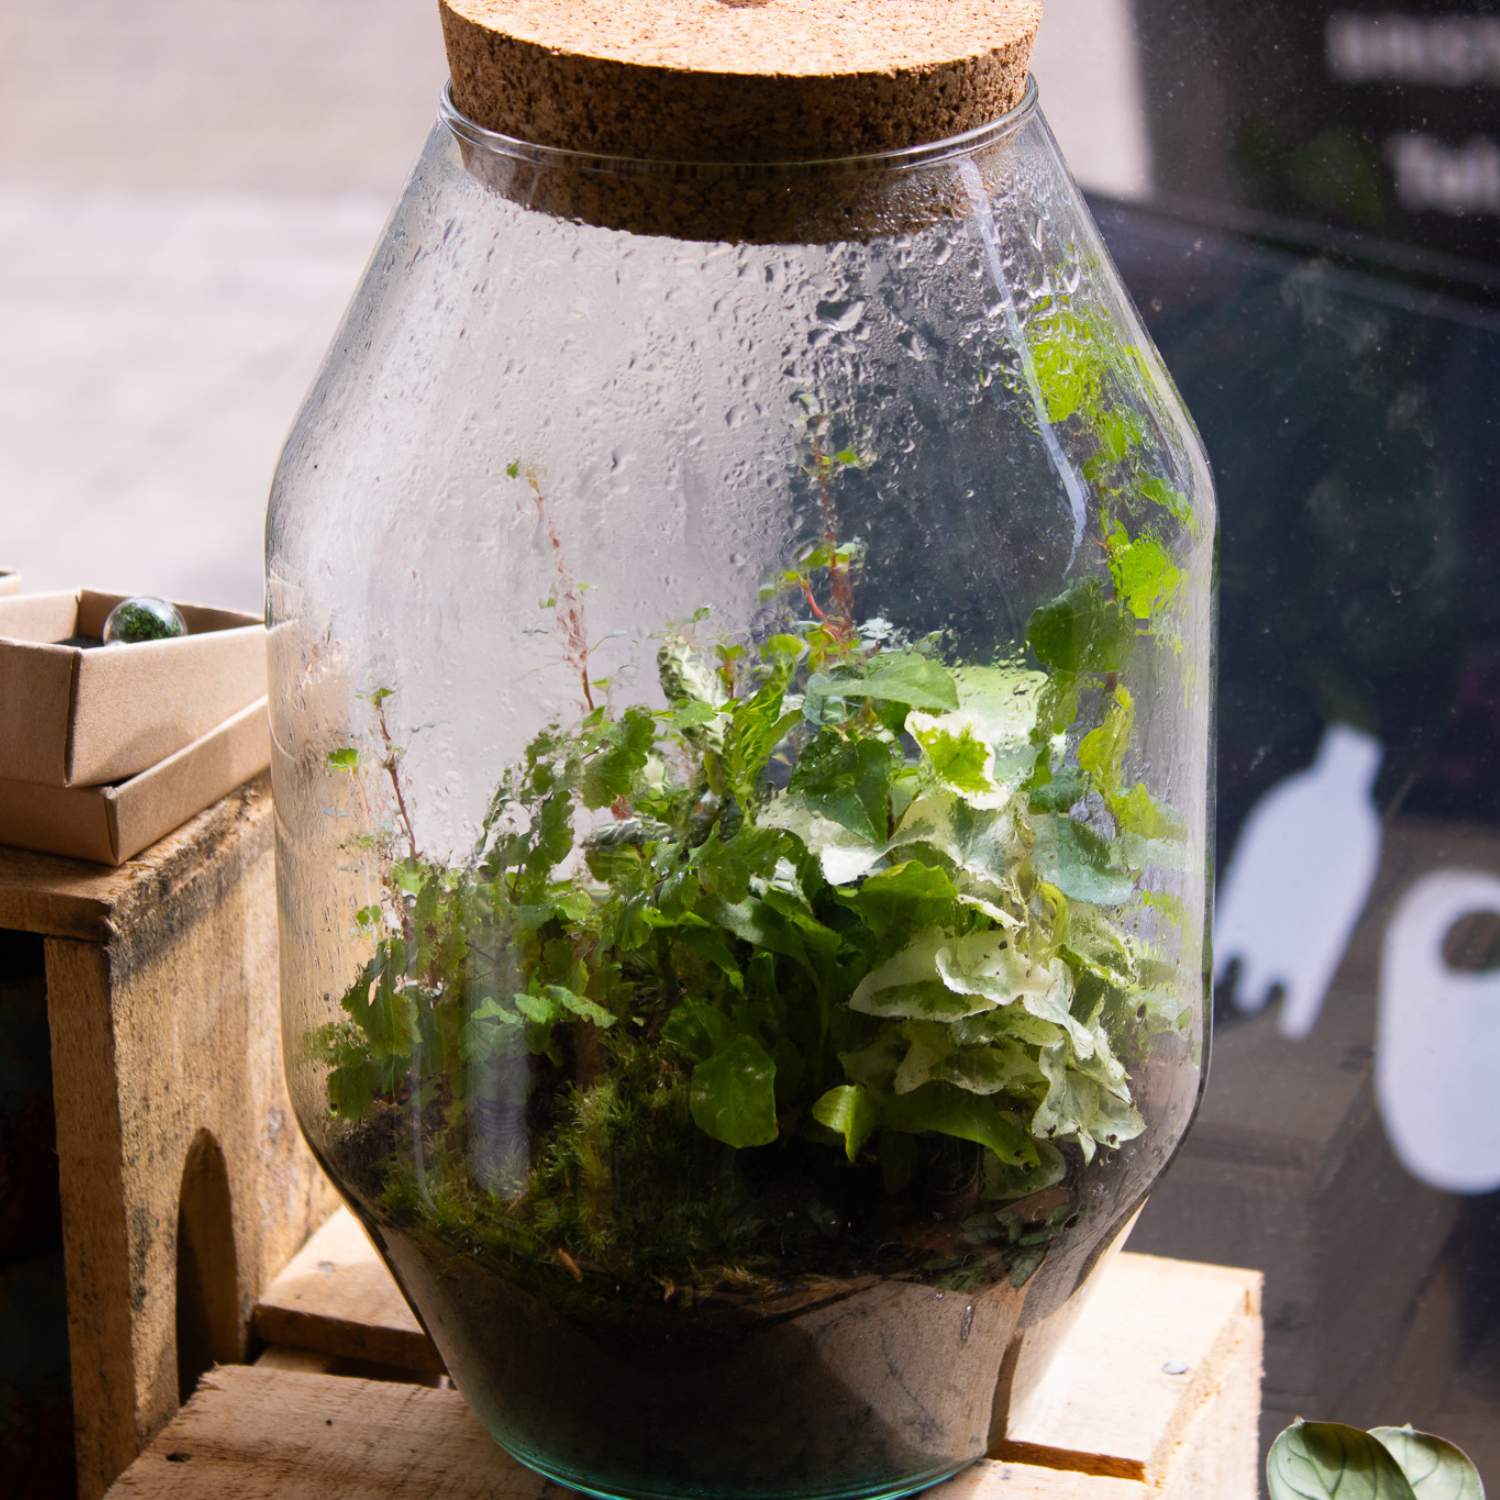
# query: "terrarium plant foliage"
842 918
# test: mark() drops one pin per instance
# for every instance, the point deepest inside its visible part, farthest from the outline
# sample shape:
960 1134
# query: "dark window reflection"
1318 263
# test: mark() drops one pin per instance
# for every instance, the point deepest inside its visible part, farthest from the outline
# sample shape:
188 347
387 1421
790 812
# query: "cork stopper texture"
737 80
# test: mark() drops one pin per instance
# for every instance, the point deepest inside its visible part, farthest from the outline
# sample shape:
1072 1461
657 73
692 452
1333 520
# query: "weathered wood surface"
54 897
1157 1344
262 1434
337 1299
185 1184
1157 1385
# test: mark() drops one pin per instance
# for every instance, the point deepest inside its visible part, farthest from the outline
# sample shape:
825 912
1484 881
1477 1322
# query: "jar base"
910 1485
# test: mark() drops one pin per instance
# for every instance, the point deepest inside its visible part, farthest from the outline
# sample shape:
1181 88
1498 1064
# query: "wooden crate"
1155 1394
185 1184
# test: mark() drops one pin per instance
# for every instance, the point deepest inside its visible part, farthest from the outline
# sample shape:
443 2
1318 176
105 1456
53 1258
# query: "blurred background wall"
187 196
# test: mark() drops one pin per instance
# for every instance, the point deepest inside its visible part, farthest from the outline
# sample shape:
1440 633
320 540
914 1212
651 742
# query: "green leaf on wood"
1329 1461
1435 1469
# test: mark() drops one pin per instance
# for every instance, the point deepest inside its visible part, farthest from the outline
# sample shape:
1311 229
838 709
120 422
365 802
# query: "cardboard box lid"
110 824
84 716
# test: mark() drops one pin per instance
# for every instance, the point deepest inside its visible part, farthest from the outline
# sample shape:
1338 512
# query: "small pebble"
1174 1367
143 618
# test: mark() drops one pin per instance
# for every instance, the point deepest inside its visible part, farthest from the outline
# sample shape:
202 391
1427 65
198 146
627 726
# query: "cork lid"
737 80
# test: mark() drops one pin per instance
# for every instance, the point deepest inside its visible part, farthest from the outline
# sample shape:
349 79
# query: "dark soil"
860 1360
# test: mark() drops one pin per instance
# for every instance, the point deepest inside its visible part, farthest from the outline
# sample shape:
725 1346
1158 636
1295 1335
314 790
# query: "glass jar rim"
902 158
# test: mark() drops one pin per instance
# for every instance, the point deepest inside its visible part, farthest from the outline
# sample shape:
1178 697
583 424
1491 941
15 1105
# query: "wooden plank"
1151 1346
55 897
261 1434
96 1235
1218 1457
70 898
303 1361
336 1298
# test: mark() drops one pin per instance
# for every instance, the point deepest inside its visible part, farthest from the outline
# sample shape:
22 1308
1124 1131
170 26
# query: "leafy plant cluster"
837 893
1324 1460
1082 367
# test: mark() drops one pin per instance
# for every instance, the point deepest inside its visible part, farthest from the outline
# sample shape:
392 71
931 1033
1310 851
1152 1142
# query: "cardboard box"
80 715
109 824
10 583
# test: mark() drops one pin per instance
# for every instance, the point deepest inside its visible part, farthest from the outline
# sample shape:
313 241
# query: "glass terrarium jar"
741 612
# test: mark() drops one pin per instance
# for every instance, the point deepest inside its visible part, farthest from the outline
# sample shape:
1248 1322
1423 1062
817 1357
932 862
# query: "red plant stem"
838 571
570 617
390 768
